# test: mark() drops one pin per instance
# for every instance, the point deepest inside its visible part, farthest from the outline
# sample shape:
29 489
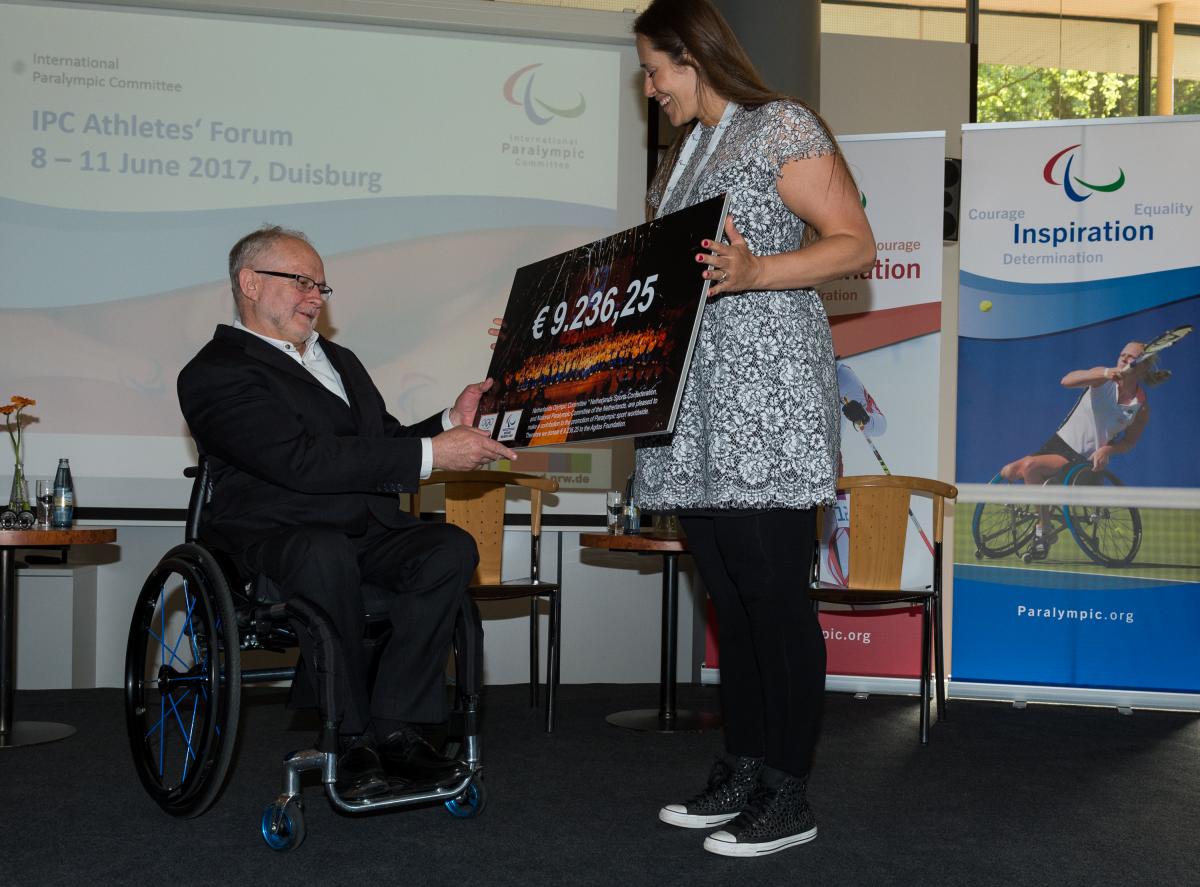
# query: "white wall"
72 622
611 603
881 84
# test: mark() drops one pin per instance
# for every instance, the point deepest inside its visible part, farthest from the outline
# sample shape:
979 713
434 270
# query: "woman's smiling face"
676 88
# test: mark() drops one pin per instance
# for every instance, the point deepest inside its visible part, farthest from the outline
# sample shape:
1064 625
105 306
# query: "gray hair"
247 250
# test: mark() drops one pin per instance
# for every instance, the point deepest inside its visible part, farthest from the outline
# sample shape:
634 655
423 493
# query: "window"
871 20
1052 68
1187 71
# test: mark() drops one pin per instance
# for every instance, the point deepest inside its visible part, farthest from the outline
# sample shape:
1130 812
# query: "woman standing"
754 452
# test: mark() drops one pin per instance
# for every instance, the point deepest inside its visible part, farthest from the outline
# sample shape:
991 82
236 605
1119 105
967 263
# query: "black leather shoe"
407 755
360 774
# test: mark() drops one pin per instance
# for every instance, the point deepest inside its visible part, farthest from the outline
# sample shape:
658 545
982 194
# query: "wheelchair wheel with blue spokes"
1000 529
1108 534
471 802
183 681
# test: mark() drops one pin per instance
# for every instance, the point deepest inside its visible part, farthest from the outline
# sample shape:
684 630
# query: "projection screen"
425 163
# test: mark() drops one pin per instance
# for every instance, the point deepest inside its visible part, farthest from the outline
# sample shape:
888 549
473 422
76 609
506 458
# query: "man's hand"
467 403
494 331
466 449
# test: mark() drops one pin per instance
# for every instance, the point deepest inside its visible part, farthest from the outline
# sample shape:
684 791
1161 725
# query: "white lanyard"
689 148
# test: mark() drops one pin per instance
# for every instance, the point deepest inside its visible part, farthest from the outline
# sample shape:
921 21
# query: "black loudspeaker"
950 198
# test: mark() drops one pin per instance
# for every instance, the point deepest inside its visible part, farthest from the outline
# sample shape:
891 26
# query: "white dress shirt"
316 362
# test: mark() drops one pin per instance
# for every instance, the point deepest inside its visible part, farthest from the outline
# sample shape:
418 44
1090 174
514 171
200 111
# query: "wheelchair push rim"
999 529
1108 534
183 682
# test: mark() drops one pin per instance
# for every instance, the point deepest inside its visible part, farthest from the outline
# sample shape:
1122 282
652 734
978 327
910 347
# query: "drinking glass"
666 526
45 502
615 500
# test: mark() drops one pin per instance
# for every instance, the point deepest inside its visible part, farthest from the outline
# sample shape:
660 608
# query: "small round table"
667 719
15 733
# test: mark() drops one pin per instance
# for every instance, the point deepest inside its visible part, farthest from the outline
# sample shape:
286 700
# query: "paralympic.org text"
1058 614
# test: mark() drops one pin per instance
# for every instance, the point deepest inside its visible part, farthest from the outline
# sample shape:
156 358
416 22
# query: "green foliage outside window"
1187 96
1024 92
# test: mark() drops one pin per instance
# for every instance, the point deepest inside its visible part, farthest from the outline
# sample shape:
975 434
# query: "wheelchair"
183 679
1110 535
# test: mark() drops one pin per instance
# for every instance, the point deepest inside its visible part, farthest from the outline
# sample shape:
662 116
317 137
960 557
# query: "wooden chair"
879 523
475 501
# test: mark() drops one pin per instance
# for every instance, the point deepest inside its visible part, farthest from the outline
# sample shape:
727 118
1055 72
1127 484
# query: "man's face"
274 306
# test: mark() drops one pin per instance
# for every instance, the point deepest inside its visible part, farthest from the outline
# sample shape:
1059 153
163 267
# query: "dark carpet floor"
1045 795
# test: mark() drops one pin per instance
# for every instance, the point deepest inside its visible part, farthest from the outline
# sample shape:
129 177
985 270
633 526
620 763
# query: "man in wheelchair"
306 463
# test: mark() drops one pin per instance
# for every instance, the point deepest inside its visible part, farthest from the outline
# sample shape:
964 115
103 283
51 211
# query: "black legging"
755 567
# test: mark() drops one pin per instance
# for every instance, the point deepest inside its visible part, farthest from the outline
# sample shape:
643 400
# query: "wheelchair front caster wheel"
283 825
470 803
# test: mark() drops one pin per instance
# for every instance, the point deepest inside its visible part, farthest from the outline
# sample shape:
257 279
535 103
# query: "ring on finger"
724 276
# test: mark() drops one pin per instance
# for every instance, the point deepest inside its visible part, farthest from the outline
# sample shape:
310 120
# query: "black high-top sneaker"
775 819
729 789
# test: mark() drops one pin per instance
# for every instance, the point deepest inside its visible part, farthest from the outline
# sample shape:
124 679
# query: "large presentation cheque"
596 341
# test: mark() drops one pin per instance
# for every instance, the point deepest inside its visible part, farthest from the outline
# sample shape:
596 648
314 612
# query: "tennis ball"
985 305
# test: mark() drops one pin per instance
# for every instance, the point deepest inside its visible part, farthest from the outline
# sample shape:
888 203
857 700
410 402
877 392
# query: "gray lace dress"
758 426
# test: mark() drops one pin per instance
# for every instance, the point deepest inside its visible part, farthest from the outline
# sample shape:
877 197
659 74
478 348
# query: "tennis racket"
1163 342
874 449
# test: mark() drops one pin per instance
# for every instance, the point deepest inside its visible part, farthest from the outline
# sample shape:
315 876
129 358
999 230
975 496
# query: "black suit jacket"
286 452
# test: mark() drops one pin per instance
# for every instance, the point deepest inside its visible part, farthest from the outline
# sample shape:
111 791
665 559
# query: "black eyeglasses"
303 283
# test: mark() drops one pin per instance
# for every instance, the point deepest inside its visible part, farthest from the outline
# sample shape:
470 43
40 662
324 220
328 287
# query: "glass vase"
18 498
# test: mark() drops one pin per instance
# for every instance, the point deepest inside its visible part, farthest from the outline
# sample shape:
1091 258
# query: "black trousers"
755 567
424 566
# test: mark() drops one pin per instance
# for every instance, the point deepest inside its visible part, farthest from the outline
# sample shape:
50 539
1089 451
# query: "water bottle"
633 517
62 514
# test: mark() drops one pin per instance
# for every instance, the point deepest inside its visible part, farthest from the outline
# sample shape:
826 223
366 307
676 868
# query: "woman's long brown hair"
693 33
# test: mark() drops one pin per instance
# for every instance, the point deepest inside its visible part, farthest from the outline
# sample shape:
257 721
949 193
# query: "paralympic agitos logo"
519 90
1069 182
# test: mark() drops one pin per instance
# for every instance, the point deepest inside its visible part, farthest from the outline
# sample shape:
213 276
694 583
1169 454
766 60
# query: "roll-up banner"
1077 543
886 326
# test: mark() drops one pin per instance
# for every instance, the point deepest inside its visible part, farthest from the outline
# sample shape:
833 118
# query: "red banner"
878 643
875 643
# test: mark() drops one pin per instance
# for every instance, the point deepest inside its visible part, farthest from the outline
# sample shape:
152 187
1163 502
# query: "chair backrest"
475 501
879 507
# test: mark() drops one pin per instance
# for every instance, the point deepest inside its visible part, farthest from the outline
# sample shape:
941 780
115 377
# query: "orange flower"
12 422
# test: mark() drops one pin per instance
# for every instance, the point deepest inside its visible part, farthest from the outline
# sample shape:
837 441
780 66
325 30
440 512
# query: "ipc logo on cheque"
508 428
